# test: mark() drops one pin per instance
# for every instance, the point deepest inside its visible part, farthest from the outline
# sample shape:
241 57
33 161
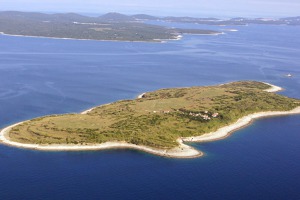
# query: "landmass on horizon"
115 26
156 122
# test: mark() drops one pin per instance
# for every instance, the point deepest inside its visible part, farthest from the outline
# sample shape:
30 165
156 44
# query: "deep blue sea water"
42 76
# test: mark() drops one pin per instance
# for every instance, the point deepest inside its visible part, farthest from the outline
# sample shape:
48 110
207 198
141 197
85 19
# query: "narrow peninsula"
156 122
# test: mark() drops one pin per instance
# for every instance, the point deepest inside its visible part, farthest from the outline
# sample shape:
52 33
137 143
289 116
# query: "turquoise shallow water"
46 76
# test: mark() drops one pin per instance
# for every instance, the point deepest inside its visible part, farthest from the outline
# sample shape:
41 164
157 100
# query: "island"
237 21
118 27
108 27
158 122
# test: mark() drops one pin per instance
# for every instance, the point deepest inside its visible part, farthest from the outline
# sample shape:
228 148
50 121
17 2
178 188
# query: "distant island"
108 27
157 122
115 26
238 21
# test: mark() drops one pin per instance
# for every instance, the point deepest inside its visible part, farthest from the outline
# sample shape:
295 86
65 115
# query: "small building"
215 115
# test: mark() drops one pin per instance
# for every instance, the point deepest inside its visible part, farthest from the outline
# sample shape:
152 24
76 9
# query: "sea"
42 76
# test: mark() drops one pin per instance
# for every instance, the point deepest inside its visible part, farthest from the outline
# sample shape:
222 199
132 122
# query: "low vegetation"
158 118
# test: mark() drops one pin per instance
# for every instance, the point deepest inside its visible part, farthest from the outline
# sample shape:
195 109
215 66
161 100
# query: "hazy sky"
162 7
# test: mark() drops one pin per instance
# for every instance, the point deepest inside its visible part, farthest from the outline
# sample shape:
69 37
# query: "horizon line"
96 14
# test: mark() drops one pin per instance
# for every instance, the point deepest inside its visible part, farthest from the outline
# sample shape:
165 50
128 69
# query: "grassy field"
157 119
